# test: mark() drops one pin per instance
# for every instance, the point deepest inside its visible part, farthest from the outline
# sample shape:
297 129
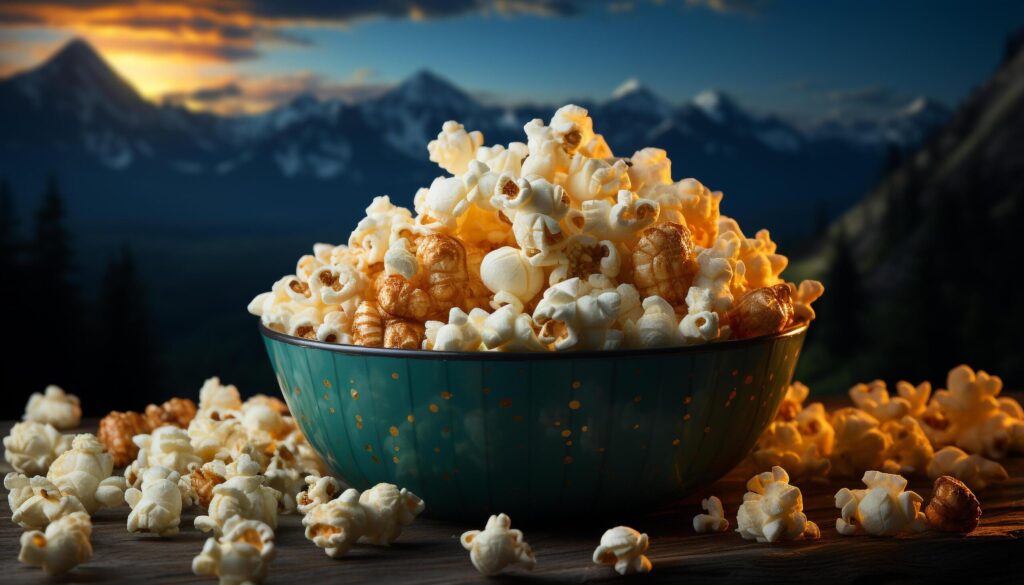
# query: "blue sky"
799 59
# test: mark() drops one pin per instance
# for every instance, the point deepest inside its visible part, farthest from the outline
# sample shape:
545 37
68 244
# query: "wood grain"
429 551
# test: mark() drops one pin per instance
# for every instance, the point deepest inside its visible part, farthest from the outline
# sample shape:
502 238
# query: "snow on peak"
627 87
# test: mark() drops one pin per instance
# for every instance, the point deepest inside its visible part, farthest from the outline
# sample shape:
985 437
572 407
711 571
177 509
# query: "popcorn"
859 444
36 502
973 470
497 546
793 401
874 399
337 524
772 510
156 507
714 520
54 407
213 395
245 495
508 270
623 548
204 478
242 554
454 147
388 509
916 396
284 476
762 311
883 509
592 178
513 222
85 472
217 432
570 317
63 546
783 445
953 507
319 490
30 447
168 447
663 262
910 452
619 221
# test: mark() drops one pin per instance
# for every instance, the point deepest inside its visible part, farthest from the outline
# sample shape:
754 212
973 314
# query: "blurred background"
163 162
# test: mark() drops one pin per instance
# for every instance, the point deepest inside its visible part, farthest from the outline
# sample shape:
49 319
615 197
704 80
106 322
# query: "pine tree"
127 357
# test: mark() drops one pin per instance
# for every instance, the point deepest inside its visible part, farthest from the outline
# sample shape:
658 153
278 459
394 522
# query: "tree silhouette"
12 281
126 364
843 305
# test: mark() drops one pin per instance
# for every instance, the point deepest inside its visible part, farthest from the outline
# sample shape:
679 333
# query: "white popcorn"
782 444
157 506
859 443
319 490
688 202
910 452
570 317
503 160
772 510
459 334
337 524
383 224
336 328
388 509
508 270
584 255
547 156
535 207
399 259
758 265
54 407
814 426
447 199
217 432
716 268
972 415
883 509
454 147
714 520
63 546
700 324
241 555
623 548
509 329
31 447
166 446
335 284
657 326
36 502
265 426
873 398
85 472
592 178
245 495
497 546
284 476
974 470
574 129
620 221
650 167
213 395
308 264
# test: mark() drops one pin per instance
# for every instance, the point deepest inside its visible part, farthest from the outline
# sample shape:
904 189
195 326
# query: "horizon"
252 57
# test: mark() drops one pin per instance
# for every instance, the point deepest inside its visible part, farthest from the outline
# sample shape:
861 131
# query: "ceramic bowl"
535 434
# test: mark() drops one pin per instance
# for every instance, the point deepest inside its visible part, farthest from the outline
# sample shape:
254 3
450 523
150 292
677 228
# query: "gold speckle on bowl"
394 375
327 383
574 405
433 407
393 430
354 393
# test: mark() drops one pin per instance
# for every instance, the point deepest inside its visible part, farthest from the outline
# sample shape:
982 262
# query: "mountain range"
128 159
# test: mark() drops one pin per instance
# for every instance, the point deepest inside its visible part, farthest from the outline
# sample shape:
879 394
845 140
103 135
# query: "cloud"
869 96
748 7
206 95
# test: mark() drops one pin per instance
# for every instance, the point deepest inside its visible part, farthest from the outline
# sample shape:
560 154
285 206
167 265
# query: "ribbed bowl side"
536 438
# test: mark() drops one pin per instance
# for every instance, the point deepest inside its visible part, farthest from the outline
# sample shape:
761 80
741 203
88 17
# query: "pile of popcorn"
554 244
961 431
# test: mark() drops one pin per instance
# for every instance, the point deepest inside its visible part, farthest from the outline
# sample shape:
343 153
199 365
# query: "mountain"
132 159
931 252
905 129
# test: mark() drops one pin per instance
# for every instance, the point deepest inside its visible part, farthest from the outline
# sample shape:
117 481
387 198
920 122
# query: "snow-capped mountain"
74 115
905 129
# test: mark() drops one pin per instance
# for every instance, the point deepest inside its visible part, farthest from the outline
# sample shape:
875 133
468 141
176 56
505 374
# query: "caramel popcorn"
510 225
953 507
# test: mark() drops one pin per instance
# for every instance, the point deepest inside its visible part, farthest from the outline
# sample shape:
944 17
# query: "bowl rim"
503 356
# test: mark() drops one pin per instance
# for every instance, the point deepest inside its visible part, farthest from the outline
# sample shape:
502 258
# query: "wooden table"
429 550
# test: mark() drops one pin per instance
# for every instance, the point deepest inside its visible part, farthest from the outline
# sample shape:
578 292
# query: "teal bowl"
535 435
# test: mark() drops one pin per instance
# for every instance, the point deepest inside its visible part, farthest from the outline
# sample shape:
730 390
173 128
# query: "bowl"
535 435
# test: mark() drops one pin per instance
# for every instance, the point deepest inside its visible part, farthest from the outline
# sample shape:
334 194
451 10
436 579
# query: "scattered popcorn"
793 401
85 472
203 479
177 412
772 510
156 507
783 445
35 502
873 398
214 395
497 546
335 525
31 447
513 222
910 452
974 470
242 554
54 407
883 509
714 520
283 475
64 545
168 447
319 490
916 396
860 444
623 548
245 495
116 432
388 509
953 507
216 433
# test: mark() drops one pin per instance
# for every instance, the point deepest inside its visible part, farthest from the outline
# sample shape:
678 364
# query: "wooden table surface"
429 550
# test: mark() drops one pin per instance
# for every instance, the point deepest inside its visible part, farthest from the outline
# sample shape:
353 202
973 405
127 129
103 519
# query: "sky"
800 59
